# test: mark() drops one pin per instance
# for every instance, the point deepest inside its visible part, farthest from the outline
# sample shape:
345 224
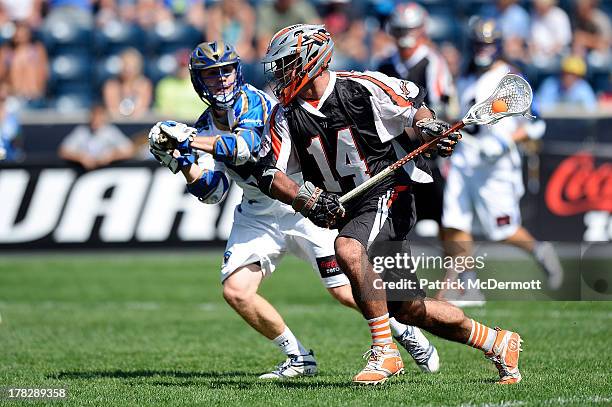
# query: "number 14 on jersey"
349 160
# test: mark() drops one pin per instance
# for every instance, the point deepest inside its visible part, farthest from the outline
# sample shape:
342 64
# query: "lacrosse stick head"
514 91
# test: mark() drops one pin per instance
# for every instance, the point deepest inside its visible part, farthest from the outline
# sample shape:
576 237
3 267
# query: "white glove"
491 148
169 144
170 135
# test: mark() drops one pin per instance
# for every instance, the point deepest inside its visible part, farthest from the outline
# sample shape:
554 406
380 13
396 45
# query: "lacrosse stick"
513 93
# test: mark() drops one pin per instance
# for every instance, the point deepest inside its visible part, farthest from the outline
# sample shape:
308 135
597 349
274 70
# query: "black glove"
431 128
447 145
321 207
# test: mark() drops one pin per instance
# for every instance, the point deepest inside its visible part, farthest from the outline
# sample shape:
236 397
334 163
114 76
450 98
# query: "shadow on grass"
233 379
134 374
212 379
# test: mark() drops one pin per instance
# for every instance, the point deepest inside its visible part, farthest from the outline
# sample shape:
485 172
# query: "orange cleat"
384 361
505 356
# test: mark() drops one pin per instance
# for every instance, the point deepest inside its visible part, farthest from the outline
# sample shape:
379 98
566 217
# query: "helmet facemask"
296 56
216 73
282 72
486 42
219 84
485 55
407 37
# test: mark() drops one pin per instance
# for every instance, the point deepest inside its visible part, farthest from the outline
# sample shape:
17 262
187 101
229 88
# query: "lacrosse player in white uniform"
227 140
485 183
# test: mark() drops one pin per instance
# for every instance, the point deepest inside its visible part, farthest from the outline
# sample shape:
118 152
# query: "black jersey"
426 68
356 130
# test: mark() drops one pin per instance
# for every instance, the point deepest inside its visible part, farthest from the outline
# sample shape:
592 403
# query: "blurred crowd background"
126 60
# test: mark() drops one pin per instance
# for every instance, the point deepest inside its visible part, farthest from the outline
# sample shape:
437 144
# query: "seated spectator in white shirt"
551 33
96 144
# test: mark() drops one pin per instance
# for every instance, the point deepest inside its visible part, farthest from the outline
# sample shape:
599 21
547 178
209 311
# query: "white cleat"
294 366
546 256
425 355
468 298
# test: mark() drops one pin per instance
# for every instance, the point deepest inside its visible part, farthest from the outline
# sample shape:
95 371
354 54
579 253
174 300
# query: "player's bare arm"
321 207
284 188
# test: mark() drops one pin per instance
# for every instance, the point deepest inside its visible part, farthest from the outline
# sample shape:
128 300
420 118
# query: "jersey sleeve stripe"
245 103
395 97
276 140
264 107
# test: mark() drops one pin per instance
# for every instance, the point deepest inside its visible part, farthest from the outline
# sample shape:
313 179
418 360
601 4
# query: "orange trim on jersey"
276 140
395 97
313 102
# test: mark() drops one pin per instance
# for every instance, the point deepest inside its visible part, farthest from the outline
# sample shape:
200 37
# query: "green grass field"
151 330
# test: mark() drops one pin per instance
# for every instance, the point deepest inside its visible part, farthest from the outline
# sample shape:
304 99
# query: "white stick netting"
512 89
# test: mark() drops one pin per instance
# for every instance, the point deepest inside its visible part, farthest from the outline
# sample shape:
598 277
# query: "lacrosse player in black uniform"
339 129
417 60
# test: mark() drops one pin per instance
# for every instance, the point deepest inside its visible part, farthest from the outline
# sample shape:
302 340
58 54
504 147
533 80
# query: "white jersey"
253 200
250 110
483 194
467 155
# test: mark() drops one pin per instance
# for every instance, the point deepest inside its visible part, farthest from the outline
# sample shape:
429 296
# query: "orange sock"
380 330
481 337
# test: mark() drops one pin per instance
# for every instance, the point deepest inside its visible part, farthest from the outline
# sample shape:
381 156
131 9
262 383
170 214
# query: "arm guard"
264 174
210 188
237 148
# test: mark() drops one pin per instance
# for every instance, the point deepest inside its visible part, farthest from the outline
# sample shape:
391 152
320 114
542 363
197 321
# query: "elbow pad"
237 148
210 188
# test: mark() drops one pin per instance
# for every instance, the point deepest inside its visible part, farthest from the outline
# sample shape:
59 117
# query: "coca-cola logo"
578 185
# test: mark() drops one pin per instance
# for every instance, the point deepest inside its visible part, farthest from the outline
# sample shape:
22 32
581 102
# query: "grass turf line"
133 330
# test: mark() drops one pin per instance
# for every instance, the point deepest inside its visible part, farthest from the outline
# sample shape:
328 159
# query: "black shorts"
429 196
382 225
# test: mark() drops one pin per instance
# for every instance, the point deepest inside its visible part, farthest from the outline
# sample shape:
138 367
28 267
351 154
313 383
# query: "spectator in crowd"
342 20
570 88
513 22
145 13
174 96
551 33
592 33
28 11
381 43
24 64
9 128
106 11
73 12
190 11
452 56
276 15
233 21
97 144
131 92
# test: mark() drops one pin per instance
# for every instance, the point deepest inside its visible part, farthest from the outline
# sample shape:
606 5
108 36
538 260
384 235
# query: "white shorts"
482 203
264 239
